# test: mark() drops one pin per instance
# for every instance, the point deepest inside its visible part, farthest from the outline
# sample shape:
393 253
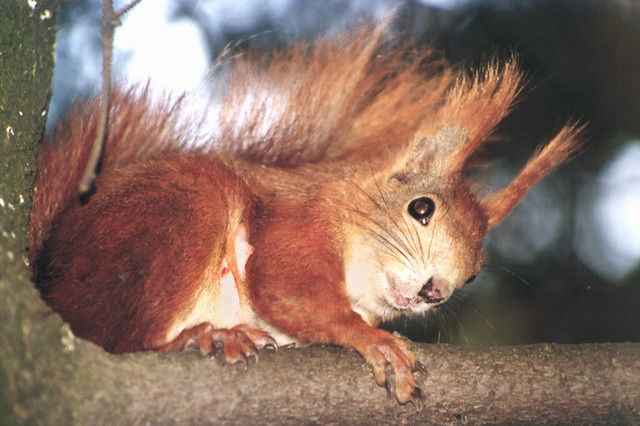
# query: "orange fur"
338 168
499 204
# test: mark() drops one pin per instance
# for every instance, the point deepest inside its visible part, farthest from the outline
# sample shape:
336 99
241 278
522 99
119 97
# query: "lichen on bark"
27 40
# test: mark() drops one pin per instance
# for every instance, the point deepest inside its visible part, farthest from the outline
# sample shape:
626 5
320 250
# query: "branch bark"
48 376
68 380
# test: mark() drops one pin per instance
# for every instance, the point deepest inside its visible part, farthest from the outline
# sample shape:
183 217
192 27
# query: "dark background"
565 266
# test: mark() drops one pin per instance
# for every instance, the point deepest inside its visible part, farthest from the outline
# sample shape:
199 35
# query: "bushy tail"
138 128
357 97
352 96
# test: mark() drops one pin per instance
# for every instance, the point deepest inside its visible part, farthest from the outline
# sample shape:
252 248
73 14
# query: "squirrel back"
294 107
325 191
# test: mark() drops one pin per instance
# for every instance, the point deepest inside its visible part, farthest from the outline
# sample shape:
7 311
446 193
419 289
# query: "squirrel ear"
478 104
472 108
500 203
433 150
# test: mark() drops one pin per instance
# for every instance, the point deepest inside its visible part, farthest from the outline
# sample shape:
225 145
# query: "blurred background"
565 266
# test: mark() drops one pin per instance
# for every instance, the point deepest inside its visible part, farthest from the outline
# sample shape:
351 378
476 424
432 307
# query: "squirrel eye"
421 209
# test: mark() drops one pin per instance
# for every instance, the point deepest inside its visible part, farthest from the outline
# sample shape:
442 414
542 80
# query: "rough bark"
27 38
49 377
71 381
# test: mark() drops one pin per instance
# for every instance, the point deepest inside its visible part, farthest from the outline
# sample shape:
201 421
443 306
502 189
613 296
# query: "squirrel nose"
431 293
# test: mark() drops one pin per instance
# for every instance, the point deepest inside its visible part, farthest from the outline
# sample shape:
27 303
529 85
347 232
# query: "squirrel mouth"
398 300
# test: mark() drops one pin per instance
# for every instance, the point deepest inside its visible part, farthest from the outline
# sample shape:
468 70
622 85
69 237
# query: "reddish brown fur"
133 117
127 262
315 152
499 204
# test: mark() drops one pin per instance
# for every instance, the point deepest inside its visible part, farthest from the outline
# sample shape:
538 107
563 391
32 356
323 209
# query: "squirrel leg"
239 343
304 297
380 348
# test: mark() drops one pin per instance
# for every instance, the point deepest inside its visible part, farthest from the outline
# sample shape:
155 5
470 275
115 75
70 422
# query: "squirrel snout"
438 290
431 292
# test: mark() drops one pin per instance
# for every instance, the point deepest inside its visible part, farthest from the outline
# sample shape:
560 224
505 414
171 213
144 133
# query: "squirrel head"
417 233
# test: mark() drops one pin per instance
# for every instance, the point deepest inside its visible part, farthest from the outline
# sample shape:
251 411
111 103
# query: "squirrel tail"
351 97
358 97
134 116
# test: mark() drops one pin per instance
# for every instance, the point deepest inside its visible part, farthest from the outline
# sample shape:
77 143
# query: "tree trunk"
47 376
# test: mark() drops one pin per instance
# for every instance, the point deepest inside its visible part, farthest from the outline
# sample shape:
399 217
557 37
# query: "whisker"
390 246
519 277
466 300
402 243
486 321
511 273
460 327
415 241
366 194
412 250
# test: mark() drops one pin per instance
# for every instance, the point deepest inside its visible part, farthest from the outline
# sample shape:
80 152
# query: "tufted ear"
433 151
471 110
500 203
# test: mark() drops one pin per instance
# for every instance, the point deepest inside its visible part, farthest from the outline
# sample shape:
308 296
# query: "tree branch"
537 383
110 20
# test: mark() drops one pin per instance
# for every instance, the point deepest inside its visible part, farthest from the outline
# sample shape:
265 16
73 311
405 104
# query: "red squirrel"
329 195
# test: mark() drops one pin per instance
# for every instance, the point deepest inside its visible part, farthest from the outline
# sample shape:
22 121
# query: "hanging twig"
110 20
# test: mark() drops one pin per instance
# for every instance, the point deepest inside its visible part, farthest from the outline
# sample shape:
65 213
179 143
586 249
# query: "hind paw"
238 343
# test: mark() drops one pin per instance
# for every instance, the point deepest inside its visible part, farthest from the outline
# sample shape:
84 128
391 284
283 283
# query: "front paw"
390 350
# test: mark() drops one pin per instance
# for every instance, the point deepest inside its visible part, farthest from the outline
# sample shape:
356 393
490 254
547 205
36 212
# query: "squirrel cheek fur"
402 267
311 212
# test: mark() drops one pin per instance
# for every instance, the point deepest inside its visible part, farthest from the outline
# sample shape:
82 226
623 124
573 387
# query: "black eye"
421 209
471 278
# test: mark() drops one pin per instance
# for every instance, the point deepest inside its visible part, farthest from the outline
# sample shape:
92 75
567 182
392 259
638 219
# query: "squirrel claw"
271 345
389 350
418 367
260 339
239 343
235 359
387 387
417 399
242 343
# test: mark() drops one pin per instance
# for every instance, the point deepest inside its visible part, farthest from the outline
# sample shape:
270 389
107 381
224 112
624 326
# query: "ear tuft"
478 104
499 204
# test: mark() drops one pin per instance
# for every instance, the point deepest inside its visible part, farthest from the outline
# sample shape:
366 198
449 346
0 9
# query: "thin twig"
110 20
